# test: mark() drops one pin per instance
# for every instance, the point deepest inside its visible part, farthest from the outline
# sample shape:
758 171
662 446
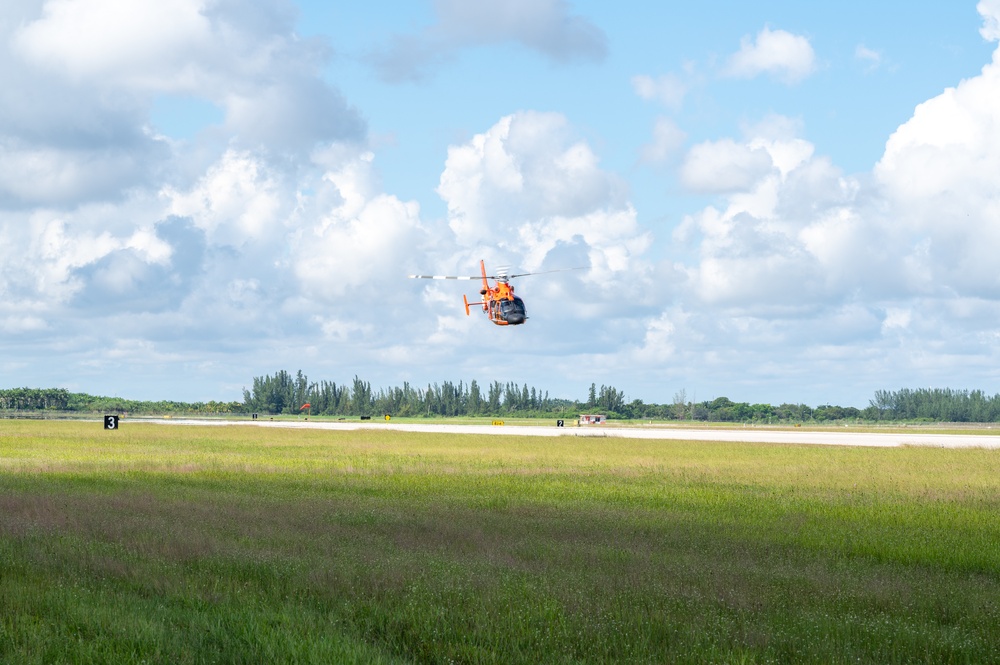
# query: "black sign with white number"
559 423
110 422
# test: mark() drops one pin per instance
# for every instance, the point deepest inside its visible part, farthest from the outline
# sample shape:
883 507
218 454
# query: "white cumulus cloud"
724 166
361 244
149 43
939 172
789 58
238 200
546 26
526 167
990 11
244 58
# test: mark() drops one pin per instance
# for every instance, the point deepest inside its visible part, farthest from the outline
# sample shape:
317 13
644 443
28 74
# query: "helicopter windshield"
512 311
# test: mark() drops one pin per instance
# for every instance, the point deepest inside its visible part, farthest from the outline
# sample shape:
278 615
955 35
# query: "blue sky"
773 201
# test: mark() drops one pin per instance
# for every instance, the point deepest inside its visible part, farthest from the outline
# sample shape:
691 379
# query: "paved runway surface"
748 435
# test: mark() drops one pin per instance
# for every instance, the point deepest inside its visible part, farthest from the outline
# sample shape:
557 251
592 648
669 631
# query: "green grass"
248 545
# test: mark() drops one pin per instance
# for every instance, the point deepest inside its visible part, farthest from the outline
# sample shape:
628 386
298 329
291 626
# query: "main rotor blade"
544 272
522 274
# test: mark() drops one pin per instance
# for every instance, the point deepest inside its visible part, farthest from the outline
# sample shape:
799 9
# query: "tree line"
935 404
61 400
285 393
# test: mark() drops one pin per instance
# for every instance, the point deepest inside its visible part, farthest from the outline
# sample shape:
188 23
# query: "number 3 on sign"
110 422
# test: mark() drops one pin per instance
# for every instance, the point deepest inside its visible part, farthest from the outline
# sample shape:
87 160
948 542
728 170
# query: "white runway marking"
750 435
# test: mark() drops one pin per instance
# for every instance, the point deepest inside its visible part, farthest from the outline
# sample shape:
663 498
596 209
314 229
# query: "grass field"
250 545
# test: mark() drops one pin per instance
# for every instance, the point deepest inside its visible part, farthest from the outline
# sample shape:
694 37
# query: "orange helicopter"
499 302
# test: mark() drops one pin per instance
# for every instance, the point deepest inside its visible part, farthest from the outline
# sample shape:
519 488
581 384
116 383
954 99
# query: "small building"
593 419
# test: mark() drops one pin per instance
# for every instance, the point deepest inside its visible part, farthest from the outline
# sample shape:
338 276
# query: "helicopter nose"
515 318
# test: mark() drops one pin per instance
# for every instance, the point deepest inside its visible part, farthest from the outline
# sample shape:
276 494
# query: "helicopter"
499 302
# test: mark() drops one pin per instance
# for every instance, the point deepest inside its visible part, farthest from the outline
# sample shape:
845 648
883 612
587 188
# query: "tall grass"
243 544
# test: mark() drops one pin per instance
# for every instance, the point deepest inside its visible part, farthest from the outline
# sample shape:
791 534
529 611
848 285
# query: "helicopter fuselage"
505 312
499 301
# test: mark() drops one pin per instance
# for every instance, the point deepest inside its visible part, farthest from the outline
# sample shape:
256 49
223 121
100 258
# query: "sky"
772 201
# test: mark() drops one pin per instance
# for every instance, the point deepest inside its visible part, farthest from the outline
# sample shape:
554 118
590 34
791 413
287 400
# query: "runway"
744 435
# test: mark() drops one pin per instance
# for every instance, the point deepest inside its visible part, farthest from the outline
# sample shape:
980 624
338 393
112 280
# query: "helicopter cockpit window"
512 306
